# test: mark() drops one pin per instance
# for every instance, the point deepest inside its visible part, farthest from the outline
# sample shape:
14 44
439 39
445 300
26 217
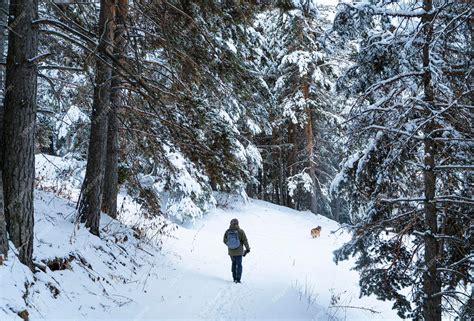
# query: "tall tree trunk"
92 188
282 178
111 187
3 226
275 166
431 281
19 126
276 192
3 223
308 129
3 41
291 158
336 208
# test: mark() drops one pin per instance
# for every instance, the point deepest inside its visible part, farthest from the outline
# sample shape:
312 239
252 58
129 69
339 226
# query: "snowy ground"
287 276
157 271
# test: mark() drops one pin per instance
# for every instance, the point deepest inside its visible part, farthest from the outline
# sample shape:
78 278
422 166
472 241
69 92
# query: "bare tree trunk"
291 158
3 226
111 187
282 178
308 129
109 200
3 223
431 280
92 188
3 38
336 208
274 170
19 126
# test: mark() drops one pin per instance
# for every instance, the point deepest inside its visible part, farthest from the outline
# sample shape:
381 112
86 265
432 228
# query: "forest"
357 111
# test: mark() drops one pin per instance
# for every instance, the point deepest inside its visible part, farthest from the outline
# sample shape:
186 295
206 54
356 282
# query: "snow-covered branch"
464 259
53 67
393 130
378 11
388 81
454 167
450 292
402 199
450 238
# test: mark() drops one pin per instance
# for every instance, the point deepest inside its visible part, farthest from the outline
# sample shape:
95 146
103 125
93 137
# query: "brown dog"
316 232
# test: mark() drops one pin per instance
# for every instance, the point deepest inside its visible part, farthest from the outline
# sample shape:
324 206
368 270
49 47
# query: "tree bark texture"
308 129
275 197
431 279
291 157
111 187
3 38
92 187
3 41
336 208
3 223
19 126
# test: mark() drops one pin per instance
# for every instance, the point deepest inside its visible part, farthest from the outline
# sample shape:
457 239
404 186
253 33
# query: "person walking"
235 239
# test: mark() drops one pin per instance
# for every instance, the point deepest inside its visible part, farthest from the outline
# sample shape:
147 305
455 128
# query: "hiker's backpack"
233 239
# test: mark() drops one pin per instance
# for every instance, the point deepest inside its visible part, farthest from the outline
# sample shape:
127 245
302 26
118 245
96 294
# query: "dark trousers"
236 267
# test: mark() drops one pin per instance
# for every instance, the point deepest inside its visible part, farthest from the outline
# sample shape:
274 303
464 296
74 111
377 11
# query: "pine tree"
184 91
19 126
3 35
202 92
410 172
3 223
92 188
111 187
64 100
304 115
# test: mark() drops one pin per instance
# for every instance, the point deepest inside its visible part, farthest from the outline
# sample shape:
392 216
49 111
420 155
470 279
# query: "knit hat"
234 221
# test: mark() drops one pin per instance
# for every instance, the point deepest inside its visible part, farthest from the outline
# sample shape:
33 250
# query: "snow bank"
79 275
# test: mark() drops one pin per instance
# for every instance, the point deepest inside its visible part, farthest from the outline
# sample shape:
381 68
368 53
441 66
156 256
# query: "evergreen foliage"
409 175
299 144
175 100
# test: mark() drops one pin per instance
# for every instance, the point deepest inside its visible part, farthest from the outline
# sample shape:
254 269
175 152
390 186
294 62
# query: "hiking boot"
237 281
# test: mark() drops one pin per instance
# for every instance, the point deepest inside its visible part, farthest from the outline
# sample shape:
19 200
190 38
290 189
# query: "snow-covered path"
287 276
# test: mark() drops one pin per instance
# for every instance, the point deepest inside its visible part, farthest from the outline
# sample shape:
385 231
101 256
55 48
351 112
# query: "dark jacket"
243 241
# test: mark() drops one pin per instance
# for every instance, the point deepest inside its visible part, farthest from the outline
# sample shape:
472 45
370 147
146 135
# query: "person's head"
234 222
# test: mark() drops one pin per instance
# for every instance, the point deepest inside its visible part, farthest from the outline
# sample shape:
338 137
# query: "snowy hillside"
287 276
